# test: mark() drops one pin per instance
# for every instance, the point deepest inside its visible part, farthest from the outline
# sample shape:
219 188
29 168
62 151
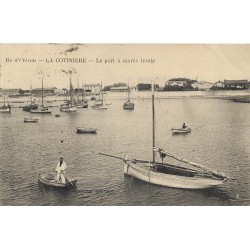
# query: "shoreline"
232 95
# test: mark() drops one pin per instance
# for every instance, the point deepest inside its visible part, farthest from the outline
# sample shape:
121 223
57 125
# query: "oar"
69 180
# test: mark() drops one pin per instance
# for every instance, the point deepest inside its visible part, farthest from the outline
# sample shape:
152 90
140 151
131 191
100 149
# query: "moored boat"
43 109
86 130
190 175
30 120
129 104
5 108
181 130
82 105
68 106
49 180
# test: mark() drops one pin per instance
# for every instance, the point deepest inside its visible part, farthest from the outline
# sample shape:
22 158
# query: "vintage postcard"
124 124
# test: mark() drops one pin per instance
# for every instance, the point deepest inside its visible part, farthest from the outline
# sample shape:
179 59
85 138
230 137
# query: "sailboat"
129 104
32 104
81 103
43 109
68 106
164 174
5 108
100 104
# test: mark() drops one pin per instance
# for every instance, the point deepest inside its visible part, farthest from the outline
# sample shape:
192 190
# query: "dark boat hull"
49 180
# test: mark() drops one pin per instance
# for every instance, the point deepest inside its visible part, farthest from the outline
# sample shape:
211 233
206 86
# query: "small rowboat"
30 120
181 130
49 180
86 130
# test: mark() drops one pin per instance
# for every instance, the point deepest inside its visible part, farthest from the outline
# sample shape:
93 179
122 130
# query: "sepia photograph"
124 124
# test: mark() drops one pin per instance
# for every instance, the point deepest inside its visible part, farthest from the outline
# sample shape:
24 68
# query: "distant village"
174 84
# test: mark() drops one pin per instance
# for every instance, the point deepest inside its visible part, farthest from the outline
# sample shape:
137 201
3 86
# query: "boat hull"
170 180
85 131
5 109
40 111
128 106
49 180
68 109
30 120
100 107
180 131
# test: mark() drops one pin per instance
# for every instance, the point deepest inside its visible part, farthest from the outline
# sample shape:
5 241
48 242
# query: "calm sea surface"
220 139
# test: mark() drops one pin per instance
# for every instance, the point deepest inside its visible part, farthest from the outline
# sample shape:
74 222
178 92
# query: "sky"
23 65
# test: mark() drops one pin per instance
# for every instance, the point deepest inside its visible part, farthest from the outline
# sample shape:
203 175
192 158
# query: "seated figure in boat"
184 126
60 171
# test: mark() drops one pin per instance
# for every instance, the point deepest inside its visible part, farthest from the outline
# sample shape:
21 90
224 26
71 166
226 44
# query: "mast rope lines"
197 165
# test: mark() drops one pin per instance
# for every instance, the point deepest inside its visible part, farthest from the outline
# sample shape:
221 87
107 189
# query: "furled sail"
179 158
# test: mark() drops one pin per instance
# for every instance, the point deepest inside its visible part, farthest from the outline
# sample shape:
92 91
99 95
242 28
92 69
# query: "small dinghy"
57 115
86 130
30 120
181 130
49 180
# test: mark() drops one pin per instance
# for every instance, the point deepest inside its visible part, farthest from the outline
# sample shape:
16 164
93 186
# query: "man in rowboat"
60 171
184 126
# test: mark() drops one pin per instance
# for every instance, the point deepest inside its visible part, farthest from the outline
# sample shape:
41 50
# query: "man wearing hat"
60 170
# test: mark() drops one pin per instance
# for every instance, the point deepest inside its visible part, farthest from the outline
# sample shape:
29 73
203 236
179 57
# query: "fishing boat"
5 108
49 180
181 130
68 106
82 105
32 105
86 130
93 98
193 176
100 103
129 104
30 120
43 109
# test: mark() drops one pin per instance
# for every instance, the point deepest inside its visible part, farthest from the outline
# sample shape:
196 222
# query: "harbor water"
220 139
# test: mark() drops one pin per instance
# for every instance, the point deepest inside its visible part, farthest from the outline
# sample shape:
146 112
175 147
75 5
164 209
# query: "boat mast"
70 90
153 120
77 89
42 91
31 94
82 92
128 91
102 93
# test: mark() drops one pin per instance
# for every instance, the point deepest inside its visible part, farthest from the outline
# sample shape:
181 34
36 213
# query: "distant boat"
82 105
57 115
181 130
49 180
170 175
93 98
129 104
5 108
30 120
68 106
43 109
86 130
32 105
100 103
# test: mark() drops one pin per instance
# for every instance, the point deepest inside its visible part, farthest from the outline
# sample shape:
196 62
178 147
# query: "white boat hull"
68 109
169 180
30 120
4 111
100 107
